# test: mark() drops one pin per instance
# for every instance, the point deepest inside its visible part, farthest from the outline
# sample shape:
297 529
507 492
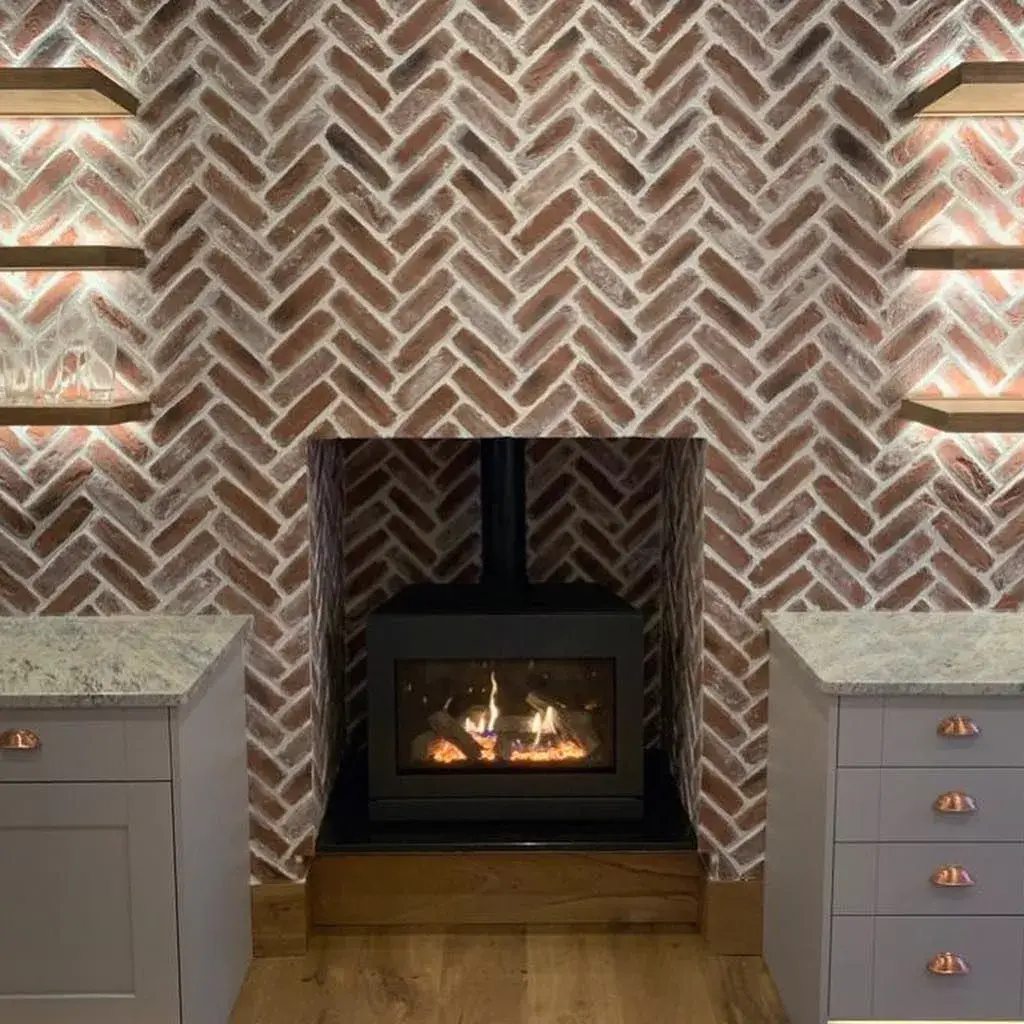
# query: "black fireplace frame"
548 621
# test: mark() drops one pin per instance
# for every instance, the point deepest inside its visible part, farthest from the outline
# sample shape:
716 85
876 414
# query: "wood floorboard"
484 978
515 976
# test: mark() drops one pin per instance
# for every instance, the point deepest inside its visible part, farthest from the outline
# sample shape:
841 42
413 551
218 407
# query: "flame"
541 724
492 704
485 721
475 726
546 745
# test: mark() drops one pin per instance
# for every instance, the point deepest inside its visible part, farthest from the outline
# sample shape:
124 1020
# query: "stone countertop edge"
905 654
185 691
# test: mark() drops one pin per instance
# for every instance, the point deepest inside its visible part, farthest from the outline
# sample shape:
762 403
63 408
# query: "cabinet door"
87 904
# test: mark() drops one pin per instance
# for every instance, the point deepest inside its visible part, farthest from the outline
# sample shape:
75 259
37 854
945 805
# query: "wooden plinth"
732 917
506 888
280 919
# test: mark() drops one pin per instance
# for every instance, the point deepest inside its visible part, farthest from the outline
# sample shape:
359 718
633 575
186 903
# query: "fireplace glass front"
555 714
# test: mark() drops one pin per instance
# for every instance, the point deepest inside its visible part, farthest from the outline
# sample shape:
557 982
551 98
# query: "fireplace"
505 700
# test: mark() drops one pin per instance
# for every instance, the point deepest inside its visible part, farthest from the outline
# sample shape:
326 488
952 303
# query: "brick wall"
436 218
389 512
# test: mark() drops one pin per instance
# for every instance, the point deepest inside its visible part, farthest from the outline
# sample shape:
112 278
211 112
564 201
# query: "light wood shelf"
967 415
62 92
973 89
967 257
71 257
72 414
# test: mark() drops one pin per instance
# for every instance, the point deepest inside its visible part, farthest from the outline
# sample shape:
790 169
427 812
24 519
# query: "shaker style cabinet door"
87 904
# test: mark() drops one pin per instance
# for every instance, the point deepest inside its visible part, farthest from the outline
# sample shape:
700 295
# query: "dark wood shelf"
70 257
62 92
71 414
967 415
974 89
967 257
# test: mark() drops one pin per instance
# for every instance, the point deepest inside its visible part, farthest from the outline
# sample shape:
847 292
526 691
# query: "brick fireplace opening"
506 637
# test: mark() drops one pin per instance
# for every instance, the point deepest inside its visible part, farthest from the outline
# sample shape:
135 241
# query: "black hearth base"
482 809
663 824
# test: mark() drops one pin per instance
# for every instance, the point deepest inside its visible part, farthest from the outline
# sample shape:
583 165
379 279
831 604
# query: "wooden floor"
520 977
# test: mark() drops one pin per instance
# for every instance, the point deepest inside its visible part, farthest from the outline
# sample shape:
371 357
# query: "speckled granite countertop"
145 661
906 653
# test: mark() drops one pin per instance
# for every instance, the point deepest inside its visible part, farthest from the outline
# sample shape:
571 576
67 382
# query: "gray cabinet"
87 883
894 871
124 879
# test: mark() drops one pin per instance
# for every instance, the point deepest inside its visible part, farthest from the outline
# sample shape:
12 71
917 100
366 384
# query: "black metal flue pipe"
503 512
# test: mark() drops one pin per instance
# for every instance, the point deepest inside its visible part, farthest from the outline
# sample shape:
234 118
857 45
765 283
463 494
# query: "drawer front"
911 732
879 968
904 989
897 879
85 745
898 805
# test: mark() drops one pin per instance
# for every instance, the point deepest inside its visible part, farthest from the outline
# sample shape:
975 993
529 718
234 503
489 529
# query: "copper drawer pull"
19 739
955 802
946 964
952 876
957 727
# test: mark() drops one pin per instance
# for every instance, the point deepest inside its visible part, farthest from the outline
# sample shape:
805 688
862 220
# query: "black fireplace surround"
505 700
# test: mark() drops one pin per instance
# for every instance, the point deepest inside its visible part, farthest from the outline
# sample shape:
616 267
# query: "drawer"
911 732
905 732
879 968
896 879
88 745
897 805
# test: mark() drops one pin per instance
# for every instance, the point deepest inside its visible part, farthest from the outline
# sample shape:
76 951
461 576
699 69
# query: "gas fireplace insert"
505 699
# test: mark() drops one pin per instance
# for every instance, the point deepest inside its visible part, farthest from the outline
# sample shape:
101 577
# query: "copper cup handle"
955 802
19 739
952 876
957 727
947 964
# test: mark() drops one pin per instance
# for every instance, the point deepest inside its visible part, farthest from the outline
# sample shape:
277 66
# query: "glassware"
50 355
74 362
96 371
72 334
19 369
89 354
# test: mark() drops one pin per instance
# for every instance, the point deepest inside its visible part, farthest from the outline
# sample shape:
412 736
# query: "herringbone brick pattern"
430 218
410 513
596 514
683 471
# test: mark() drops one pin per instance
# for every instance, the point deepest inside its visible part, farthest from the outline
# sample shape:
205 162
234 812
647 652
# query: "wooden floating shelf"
62 92
70 257
76 415
999 257
967 415
974 89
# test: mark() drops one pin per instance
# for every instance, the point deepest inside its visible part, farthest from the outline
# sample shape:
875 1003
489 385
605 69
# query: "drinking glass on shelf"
50 370
96 367
72 333
19 369
89 353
